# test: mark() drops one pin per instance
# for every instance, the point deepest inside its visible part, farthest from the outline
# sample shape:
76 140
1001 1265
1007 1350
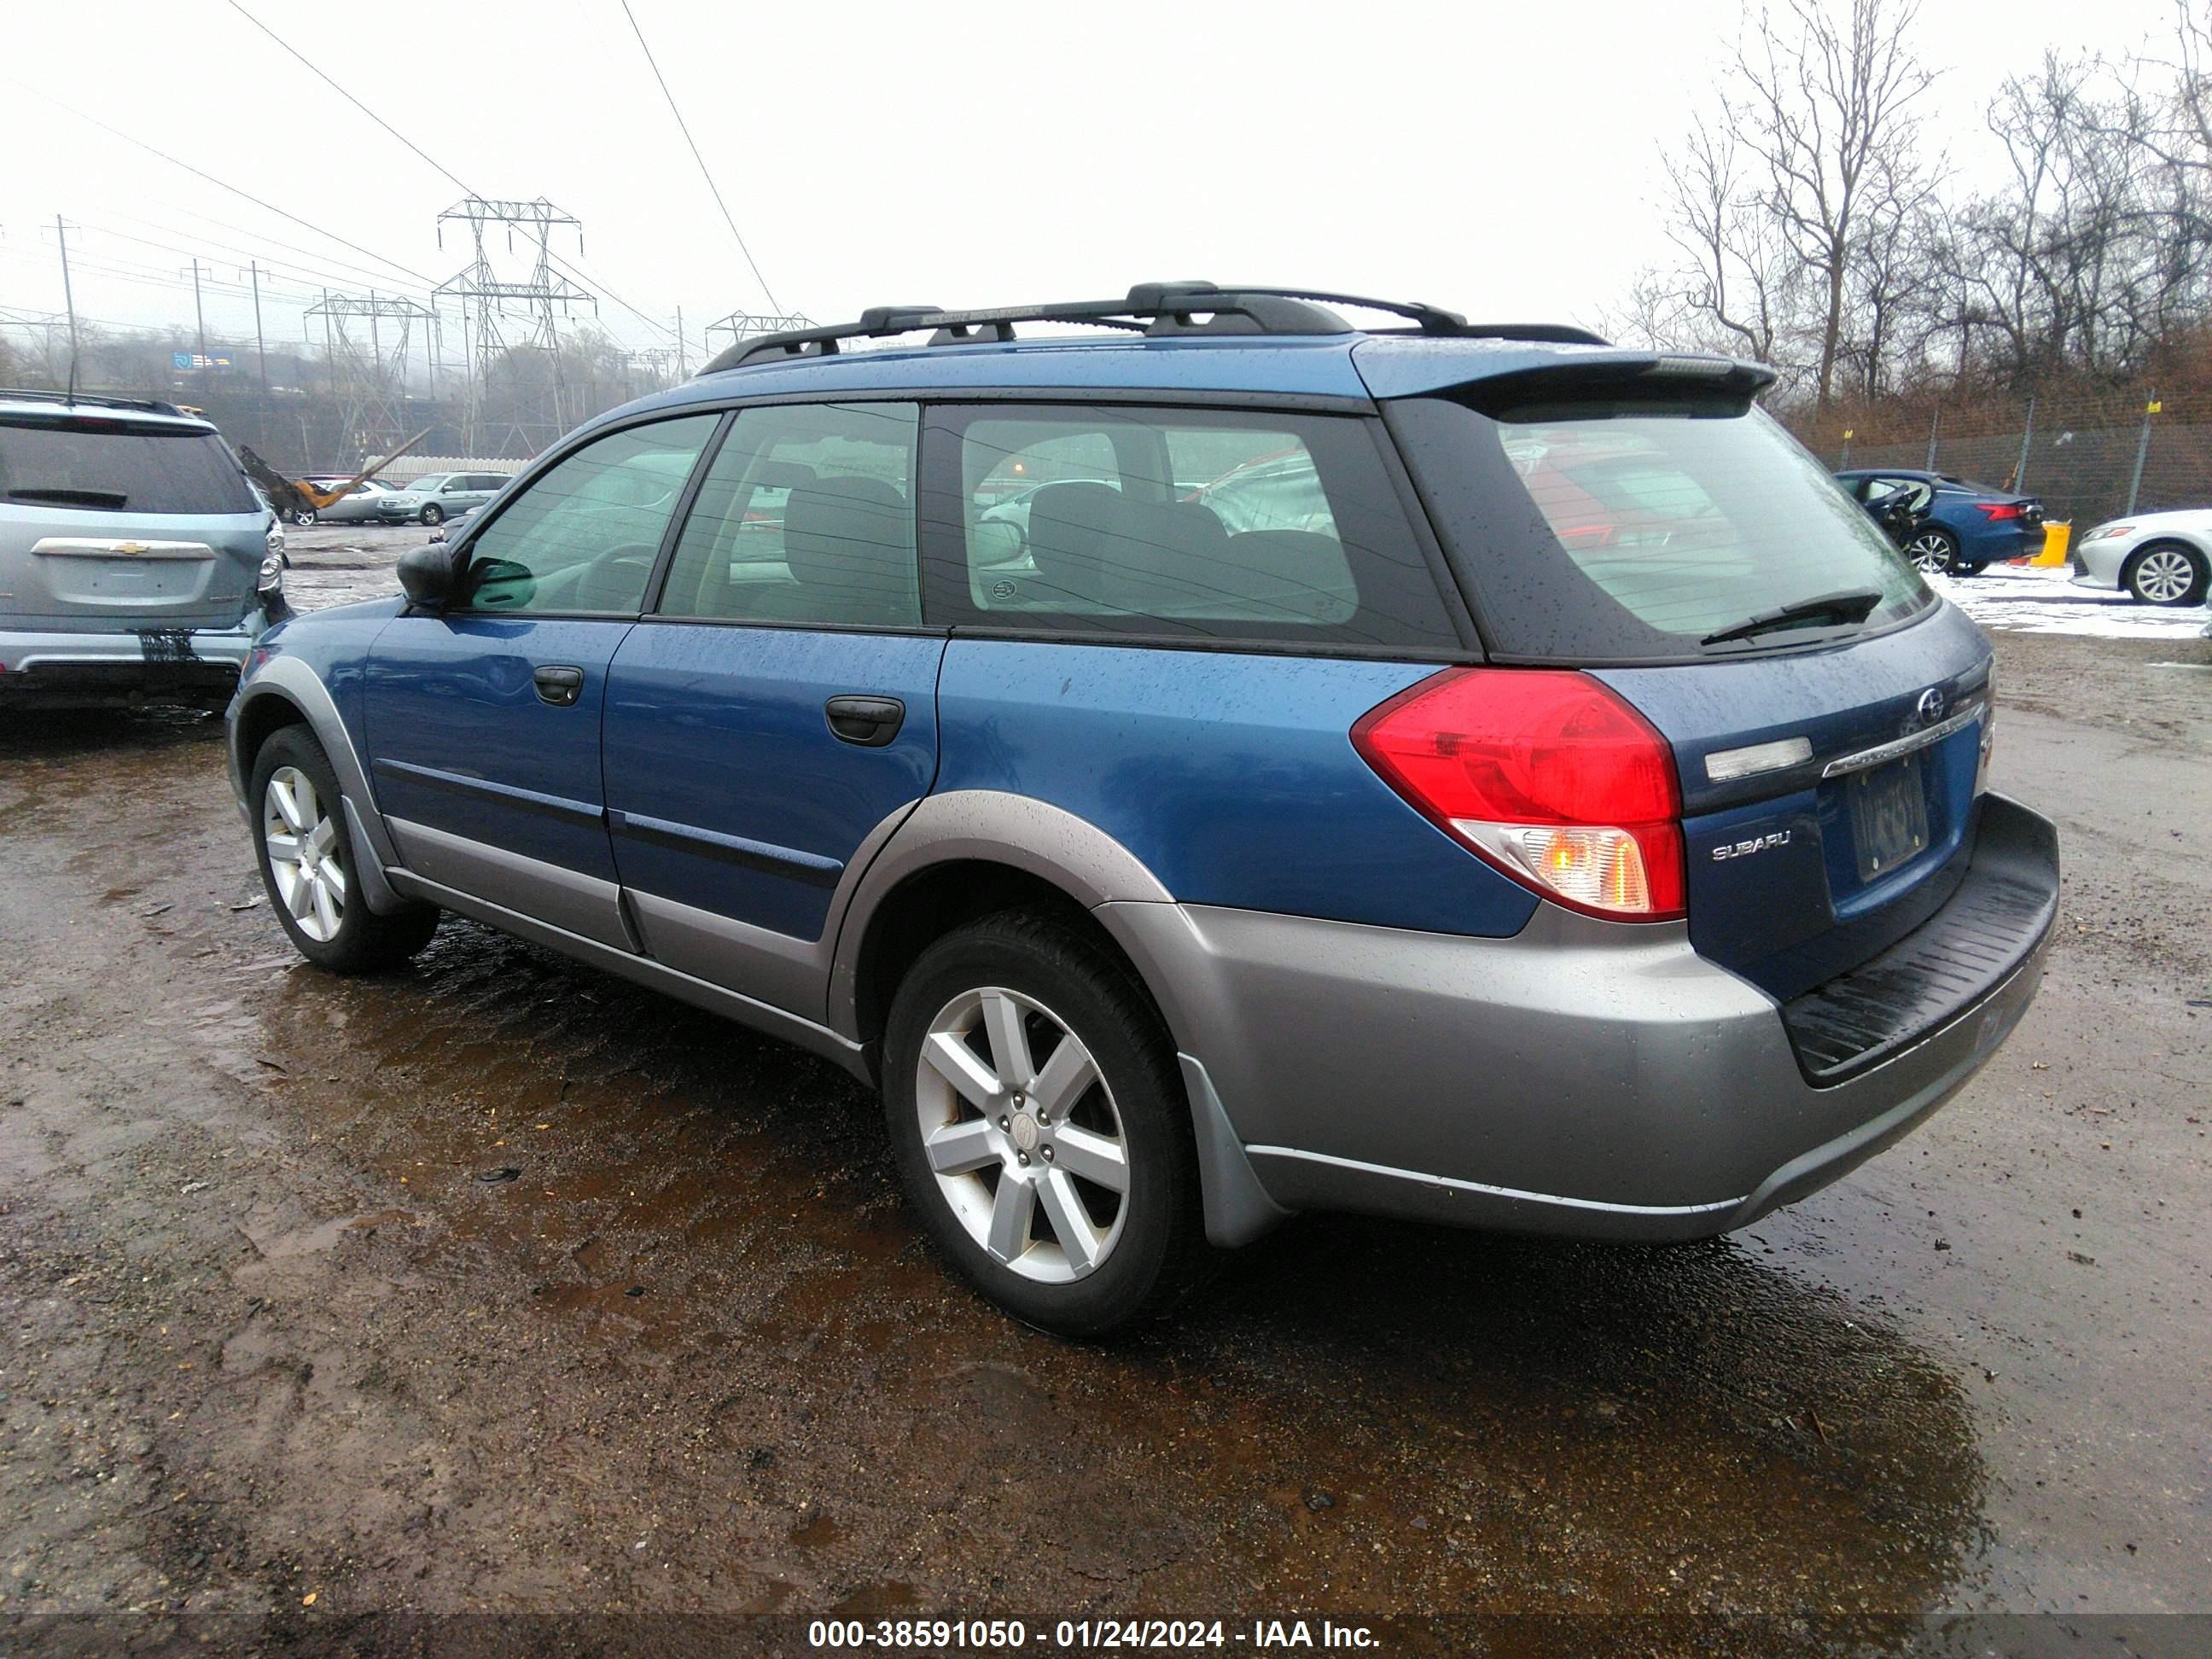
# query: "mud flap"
1237 1207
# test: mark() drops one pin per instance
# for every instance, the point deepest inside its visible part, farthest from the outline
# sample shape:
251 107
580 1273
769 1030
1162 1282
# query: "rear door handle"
871 722
559 684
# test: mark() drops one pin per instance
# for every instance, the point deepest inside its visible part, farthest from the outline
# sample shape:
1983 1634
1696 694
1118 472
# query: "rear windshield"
1611 529
114 468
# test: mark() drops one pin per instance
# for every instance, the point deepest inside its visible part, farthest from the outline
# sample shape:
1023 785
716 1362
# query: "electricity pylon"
499 306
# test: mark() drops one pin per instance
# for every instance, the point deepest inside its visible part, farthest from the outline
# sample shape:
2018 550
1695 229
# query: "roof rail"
1149 308
29 394
1152 308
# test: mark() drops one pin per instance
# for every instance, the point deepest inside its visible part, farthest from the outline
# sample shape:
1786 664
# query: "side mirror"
431 576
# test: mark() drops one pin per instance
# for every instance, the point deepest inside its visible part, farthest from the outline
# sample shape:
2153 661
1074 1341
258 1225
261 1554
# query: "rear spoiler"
1506 375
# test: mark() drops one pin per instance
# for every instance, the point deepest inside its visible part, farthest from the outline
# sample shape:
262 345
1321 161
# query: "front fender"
291 680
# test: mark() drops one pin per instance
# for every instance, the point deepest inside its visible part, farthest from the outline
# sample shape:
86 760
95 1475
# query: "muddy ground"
499 1284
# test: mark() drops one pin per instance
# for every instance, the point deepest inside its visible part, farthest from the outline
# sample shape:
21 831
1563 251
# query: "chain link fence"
2089 457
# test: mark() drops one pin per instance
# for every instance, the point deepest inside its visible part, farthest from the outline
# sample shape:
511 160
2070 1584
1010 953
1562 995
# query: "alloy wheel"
2164 575
1022 1134
302 842
1930 552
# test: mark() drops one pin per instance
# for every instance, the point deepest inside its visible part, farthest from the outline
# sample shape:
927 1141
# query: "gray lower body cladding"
1584 1078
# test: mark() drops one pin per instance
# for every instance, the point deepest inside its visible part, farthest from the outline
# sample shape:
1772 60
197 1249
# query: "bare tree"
1732 288
2087 256
1893 291
1828 109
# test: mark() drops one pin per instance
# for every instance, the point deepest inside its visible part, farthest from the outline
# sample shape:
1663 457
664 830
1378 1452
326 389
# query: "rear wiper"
72 497
1851 604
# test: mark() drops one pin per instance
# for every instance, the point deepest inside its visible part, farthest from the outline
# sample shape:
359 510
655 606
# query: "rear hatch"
1636 519
122 522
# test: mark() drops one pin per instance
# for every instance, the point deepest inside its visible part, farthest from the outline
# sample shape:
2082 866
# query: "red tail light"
1548 775
1996 510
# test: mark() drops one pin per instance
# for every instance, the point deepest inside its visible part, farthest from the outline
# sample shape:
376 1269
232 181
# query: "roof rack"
1150 308
28 394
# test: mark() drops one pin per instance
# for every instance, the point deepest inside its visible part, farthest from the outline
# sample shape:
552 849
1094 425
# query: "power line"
266 207
316 70
439 167
284 269
684 127
325 273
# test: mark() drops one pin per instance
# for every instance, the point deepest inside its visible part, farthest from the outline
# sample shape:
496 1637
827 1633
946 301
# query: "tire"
1933 550
296 800
432 513
1120 1256
2167 573
304 517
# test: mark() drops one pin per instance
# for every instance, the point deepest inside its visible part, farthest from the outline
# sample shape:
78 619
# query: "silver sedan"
2161 558
356 506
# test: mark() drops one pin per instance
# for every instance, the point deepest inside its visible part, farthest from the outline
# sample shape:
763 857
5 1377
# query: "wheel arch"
260 718
963 854
285 691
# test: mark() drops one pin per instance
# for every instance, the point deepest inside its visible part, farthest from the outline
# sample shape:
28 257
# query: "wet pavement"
337 563
497 1284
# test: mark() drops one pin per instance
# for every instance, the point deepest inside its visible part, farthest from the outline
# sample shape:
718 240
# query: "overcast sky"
1498 158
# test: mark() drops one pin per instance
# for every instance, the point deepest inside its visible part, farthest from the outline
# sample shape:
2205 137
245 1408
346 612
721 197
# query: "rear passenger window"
804 518
1168 523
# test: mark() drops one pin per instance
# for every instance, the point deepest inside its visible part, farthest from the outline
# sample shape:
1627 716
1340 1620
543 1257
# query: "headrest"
1072 528
839 532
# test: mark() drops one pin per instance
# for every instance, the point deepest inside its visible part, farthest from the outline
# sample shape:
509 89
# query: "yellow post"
2056 539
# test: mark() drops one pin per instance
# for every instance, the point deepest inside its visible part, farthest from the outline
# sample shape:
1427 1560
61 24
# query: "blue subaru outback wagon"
1473 774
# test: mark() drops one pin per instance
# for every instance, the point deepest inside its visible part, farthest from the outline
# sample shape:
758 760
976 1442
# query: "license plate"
1889 816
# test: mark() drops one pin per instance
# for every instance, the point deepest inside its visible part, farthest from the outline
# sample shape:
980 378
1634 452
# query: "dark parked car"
1544 802
1965 527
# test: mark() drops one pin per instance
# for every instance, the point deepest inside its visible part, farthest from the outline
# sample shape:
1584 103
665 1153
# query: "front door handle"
559 684
871 722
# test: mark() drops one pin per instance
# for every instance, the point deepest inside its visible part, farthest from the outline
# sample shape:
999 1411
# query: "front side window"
804 518
1196 524
584 537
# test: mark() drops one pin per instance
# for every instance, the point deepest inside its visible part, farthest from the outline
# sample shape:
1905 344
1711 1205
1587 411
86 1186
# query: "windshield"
423 485
1609 529
112 467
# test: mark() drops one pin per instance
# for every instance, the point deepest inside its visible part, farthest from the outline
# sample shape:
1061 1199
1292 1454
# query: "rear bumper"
1587 1078
59 669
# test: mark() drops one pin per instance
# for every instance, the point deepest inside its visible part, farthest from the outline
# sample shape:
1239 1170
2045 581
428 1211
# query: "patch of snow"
2042 600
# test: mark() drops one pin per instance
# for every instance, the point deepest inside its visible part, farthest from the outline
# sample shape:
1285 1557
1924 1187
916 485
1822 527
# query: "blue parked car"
1550 805
1963 528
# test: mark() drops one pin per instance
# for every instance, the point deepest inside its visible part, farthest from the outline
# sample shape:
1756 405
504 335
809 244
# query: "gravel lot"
501 1286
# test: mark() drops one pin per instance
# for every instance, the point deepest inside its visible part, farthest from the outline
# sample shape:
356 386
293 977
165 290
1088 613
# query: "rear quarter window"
118 467
1198 525
1606 530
